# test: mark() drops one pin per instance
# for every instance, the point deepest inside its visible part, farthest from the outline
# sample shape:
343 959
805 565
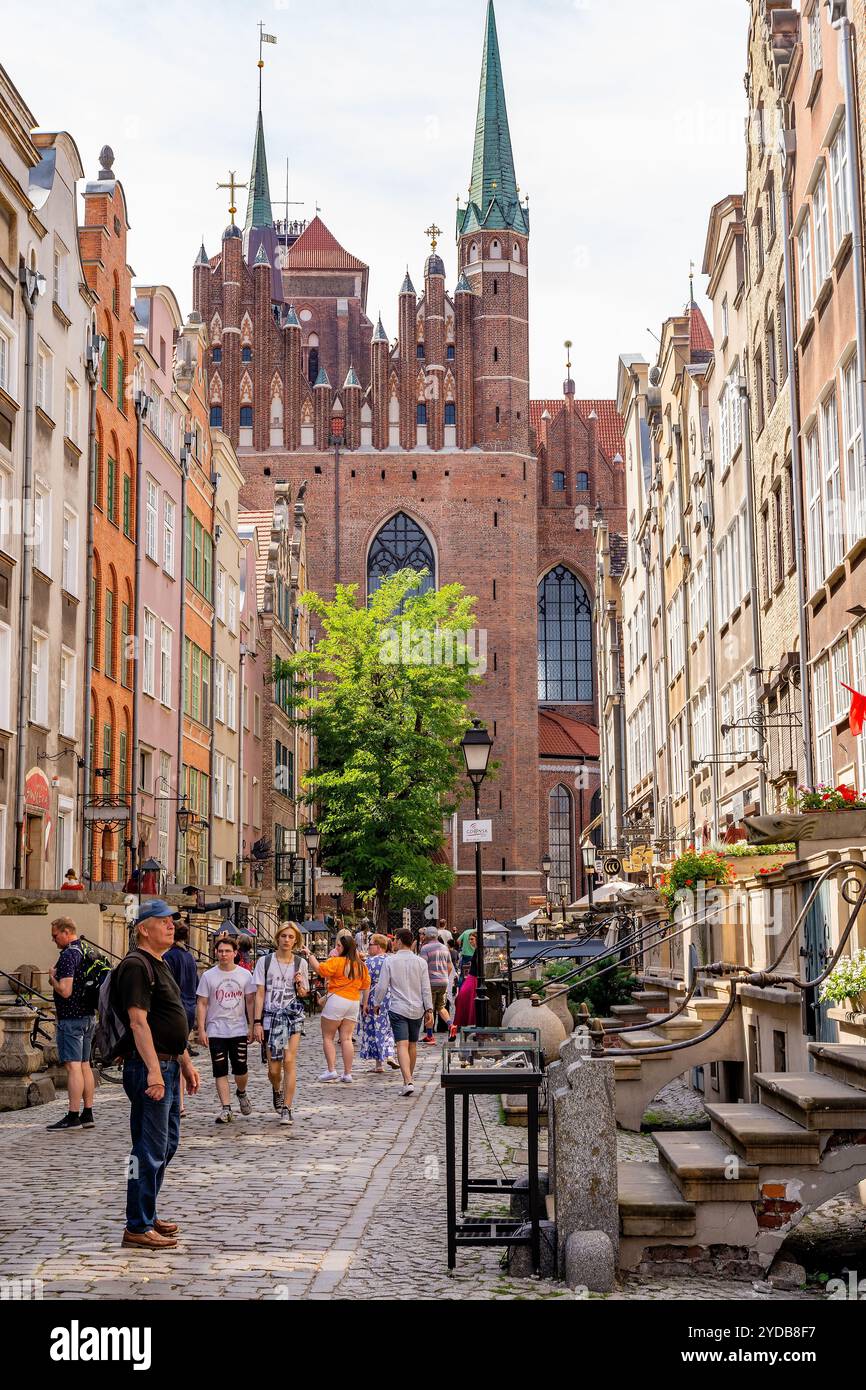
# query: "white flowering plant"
846 981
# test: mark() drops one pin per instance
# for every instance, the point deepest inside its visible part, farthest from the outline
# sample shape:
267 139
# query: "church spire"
494 197
259 213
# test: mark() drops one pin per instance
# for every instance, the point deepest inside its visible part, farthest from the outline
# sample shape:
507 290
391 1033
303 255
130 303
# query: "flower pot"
751 865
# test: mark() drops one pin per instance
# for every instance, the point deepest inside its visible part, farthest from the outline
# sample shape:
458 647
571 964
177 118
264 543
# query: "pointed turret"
323 379
380 336
202 257
291 319
494 201
262 257
463 285
323 409
351 380
352 393
408 287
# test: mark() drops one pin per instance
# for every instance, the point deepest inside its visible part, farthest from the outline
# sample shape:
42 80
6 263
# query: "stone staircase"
734 1193
639 1079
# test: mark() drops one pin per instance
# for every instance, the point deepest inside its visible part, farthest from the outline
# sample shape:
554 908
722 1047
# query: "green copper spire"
259 213
494 200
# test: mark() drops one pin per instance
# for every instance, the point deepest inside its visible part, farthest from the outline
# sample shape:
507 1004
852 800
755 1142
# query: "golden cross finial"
233 186
433 232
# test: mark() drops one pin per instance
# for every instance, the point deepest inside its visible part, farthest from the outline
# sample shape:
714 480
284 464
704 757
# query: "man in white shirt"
224 1015
408 979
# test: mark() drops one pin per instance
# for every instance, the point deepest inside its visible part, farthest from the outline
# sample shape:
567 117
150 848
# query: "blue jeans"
74 1037
155 1130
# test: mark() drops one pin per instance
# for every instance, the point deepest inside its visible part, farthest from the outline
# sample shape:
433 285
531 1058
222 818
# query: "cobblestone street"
350 1203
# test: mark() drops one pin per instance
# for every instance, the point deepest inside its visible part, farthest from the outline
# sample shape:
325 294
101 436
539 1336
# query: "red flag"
857 712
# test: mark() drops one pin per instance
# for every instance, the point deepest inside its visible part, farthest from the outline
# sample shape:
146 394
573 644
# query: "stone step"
627 1068
677 1029
650 998
704 1169
644 1038
650 1204
814 1101
708 1010
761 1135
842 1062
628 1013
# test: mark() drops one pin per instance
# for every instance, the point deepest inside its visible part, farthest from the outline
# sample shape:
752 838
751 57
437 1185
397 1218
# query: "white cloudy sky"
626 118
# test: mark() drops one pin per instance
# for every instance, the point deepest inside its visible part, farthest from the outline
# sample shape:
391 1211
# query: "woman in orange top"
347 978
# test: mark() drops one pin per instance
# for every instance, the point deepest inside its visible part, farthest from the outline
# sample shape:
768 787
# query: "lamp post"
476 746
563 900
312 839
588 856
546 866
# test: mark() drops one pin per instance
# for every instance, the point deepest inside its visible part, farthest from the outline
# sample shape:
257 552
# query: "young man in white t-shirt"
224 1015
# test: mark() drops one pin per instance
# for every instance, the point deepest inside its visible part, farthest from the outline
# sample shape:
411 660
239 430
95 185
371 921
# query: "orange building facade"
111 504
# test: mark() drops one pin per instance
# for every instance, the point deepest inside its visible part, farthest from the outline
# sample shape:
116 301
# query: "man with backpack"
75 1006
145 996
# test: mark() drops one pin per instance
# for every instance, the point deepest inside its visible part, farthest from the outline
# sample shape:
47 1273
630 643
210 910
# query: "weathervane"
233 186
263 39
568 346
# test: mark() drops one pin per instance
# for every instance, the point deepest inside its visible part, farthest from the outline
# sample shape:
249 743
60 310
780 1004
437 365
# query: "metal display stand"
488 1061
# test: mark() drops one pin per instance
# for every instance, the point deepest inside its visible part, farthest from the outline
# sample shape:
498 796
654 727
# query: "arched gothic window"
559 819
564 639
400 545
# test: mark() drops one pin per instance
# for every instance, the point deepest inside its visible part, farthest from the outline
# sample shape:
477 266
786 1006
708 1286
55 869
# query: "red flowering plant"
693 871
827 798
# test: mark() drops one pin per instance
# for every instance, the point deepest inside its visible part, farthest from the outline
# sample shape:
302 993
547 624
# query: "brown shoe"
166 1228
148 1240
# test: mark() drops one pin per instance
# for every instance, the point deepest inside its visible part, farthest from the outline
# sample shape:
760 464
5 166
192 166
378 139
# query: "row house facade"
110 527
45 326
228 755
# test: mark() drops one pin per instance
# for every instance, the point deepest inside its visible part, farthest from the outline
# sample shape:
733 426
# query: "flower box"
758 865
849 826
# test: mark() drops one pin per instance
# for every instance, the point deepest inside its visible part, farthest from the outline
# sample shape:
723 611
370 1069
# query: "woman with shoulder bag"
282 980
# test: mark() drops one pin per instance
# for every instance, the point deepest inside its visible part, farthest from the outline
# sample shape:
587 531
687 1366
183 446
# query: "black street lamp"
588 856
476 746
546 866
312 839
185 817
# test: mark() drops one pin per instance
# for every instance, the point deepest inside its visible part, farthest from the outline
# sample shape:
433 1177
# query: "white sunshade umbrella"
609 892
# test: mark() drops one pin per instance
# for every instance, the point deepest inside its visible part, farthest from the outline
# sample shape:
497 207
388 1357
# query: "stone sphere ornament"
532 1013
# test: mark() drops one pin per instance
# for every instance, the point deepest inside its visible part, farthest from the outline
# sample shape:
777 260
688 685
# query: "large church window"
559 838
564 639
400 545
313 366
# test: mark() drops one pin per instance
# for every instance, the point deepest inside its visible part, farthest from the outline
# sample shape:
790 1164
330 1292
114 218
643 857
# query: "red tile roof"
560 736
700 337
318 249
610 425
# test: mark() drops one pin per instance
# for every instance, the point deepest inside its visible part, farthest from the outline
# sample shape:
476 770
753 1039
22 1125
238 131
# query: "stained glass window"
564 639
559 838
400 545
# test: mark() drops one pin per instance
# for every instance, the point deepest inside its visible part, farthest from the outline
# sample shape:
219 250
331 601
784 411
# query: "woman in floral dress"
374 1027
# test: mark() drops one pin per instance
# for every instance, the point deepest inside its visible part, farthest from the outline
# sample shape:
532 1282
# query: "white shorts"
337 1009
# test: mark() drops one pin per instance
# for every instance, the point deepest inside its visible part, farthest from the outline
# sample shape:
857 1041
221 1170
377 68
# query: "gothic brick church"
426 448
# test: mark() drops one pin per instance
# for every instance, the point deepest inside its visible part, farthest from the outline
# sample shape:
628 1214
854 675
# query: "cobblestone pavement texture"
349 1203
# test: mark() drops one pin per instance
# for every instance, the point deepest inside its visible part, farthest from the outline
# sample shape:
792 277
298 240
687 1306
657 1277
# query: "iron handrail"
665 1047
681 1008
830 870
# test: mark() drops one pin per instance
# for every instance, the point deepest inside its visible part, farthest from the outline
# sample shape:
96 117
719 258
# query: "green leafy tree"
385 692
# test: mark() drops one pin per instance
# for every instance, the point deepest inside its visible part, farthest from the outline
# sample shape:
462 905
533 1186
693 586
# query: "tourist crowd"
378 992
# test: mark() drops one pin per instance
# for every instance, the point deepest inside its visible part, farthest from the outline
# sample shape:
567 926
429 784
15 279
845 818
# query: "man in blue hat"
147 997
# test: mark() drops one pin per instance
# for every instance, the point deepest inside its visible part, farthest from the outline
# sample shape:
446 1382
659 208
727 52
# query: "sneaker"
87 1120
329 1076
225 1116
393 1063
347 1076
408 1090
69 1121
430 1040
286 1116
246 1105
278 1101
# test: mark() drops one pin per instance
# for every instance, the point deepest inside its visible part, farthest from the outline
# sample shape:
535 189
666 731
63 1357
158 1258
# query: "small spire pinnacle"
380 336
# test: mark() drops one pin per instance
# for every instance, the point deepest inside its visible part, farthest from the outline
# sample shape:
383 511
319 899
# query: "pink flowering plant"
692 871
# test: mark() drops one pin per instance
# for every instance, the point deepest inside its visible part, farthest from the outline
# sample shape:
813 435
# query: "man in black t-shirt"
146 994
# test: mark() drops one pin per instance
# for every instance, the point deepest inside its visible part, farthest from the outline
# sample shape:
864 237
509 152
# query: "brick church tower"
427 451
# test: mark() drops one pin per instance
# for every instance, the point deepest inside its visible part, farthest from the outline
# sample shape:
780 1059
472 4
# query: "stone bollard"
584 1171
19 1088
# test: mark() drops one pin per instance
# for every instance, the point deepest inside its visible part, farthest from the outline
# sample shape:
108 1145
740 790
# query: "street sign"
537 902
329 885
478 832
106 813
612 866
